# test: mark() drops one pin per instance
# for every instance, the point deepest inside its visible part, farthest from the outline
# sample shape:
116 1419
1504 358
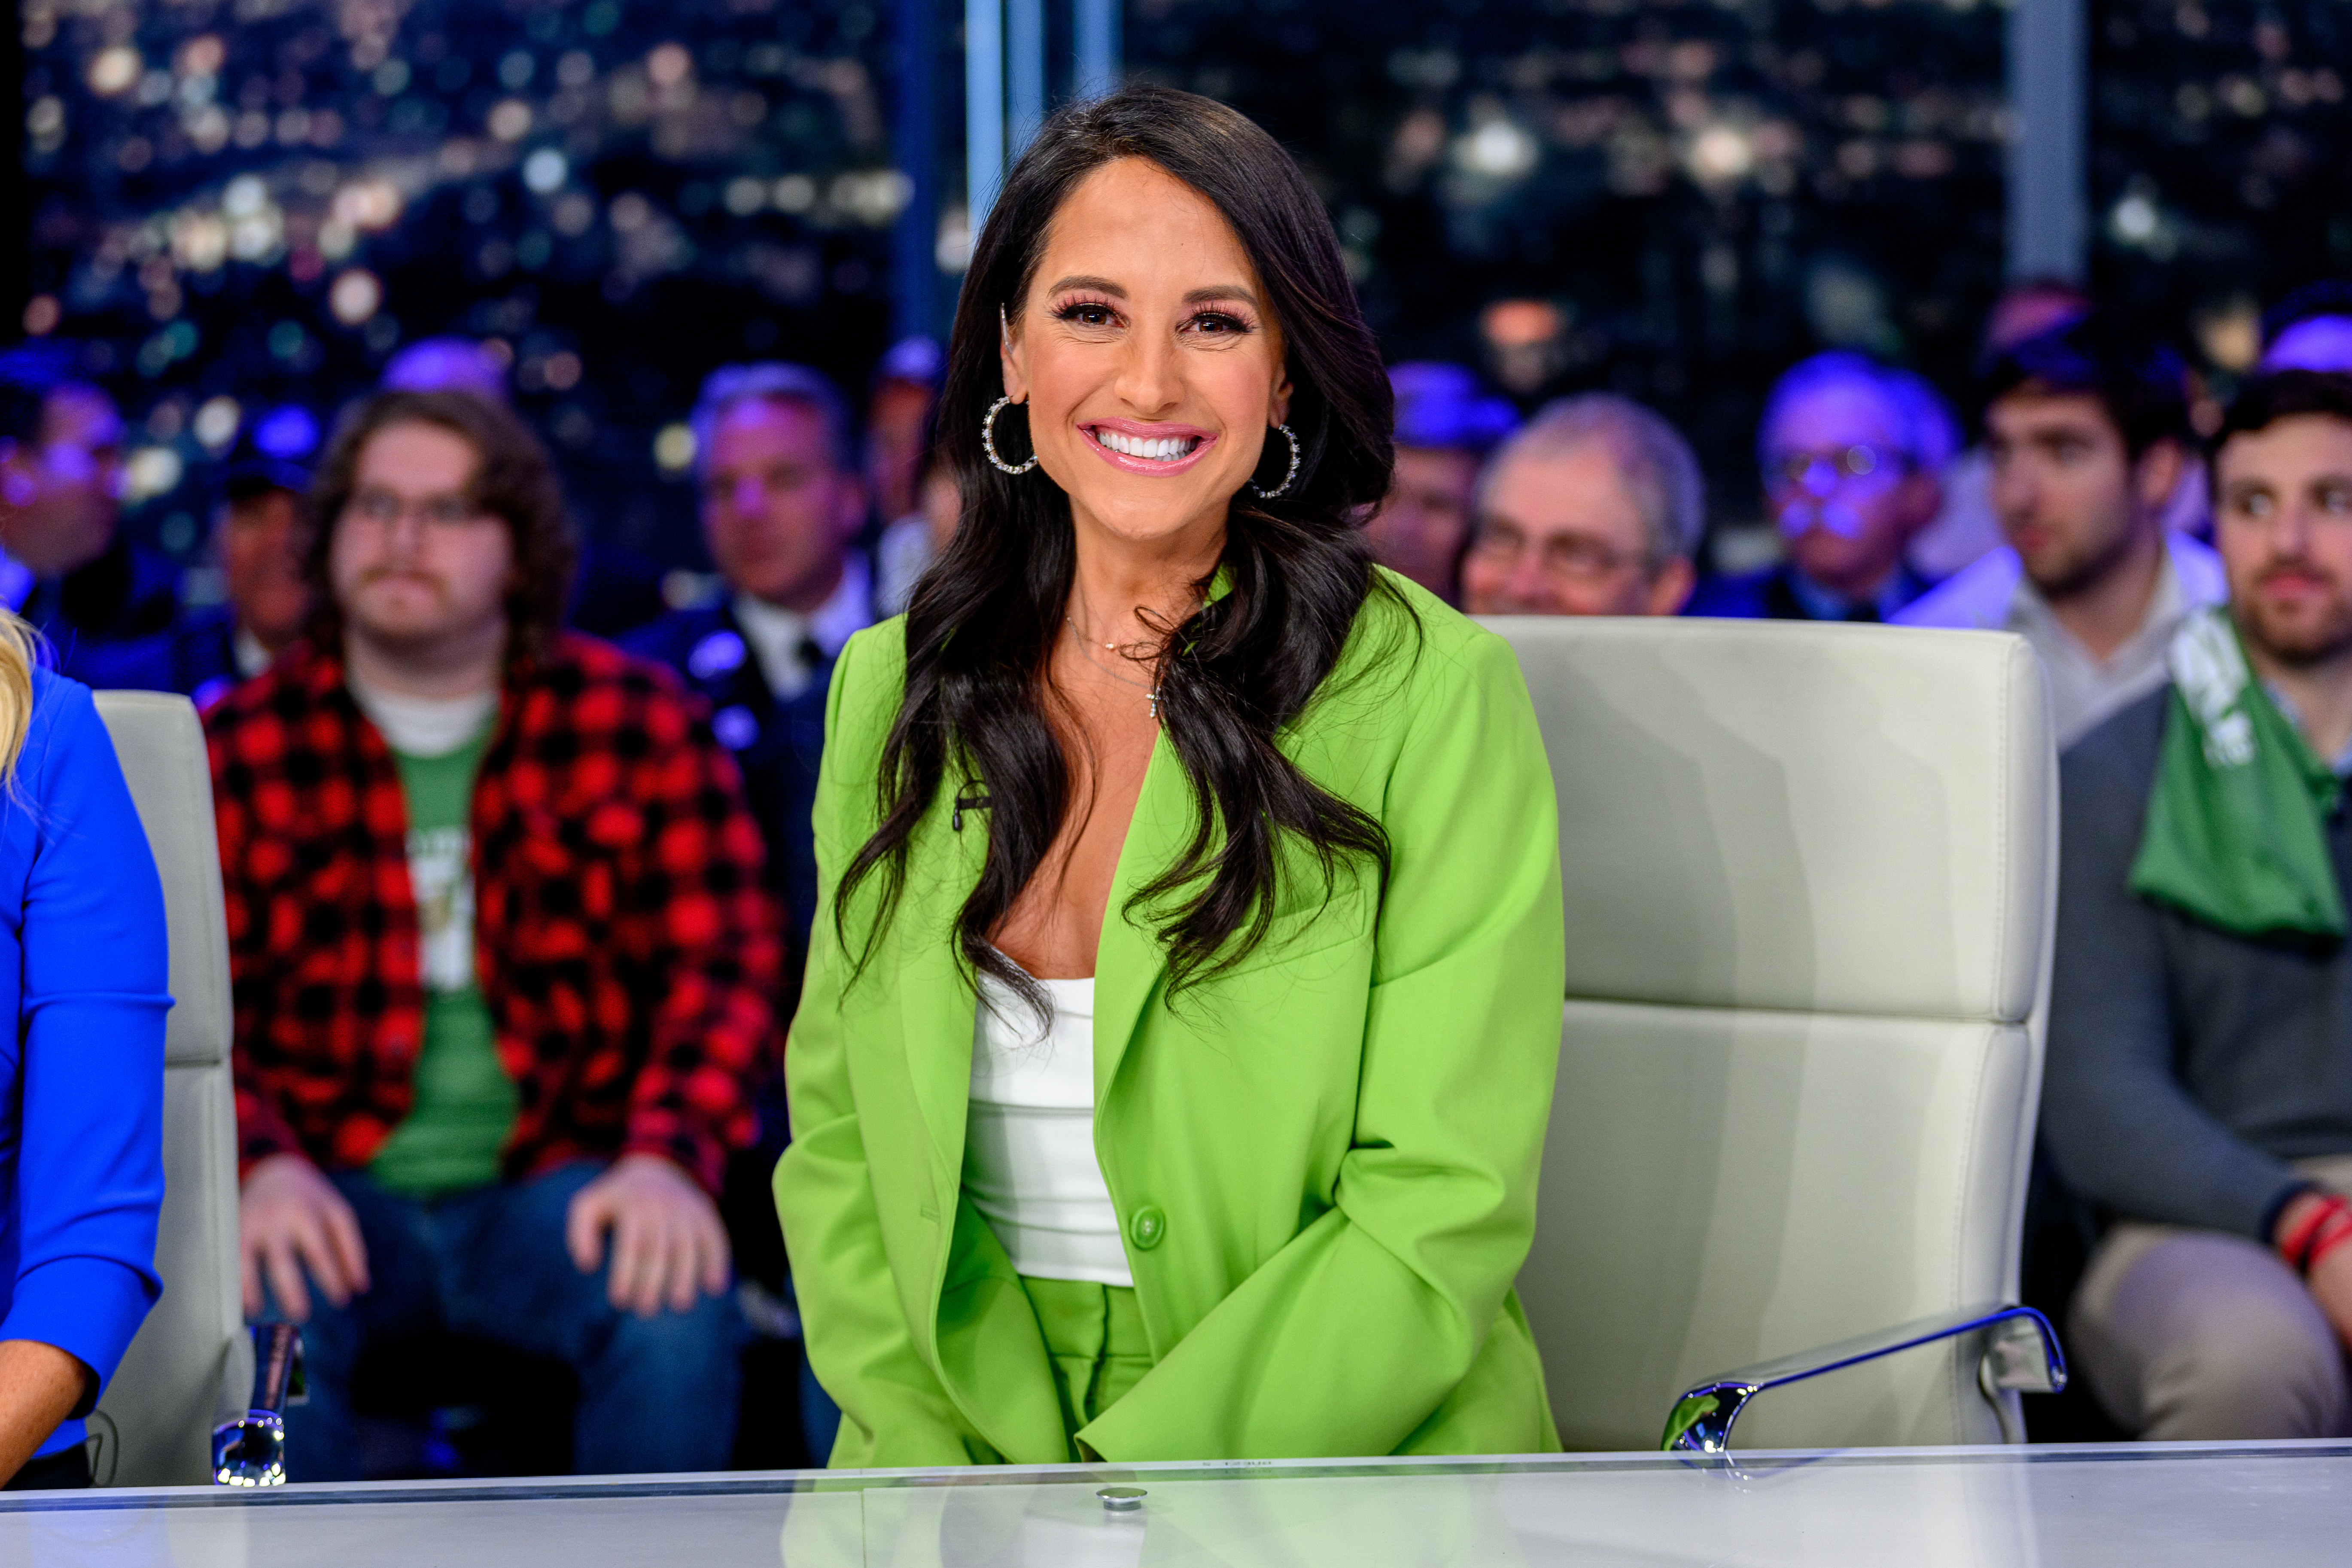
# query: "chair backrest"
1810 874
191 1364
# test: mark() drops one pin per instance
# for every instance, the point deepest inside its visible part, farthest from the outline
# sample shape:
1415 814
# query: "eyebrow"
1197 297
2265 482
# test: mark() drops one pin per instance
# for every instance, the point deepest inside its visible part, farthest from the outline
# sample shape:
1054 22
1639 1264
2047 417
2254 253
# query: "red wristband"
2328 1241
2328 1227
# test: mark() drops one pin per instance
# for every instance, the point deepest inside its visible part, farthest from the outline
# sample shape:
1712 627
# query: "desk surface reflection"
2146 1506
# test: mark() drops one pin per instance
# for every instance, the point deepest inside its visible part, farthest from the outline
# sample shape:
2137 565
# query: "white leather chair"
1810 873
191 1362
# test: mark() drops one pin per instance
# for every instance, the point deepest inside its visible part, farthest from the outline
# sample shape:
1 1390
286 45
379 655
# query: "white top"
776 634
1995 594
1029 1142
424 726
251 657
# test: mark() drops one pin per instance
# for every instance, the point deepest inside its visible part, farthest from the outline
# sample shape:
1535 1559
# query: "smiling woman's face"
1150 364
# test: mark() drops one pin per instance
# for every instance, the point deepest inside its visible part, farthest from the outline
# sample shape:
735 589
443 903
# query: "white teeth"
1166 449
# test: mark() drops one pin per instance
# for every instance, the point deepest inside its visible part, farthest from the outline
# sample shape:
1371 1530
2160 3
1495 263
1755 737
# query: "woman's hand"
667 1241
39 1386
290 1219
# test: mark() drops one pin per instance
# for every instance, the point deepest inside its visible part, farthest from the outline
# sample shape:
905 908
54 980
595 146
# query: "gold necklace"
1086 652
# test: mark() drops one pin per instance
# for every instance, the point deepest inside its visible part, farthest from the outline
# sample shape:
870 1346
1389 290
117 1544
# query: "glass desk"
2146 1507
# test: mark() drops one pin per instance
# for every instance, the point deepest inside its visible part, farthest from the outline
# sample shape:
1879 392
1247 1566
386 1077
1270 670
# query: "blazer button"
1145 1227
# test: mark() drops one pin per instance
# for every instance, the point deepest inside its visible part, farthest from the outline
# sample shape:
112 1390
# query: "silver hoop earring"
988 440
1269 495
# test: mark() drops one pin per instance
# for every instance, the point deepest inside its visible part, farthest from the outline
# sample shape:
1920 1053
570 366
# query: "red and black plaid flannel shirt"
624 939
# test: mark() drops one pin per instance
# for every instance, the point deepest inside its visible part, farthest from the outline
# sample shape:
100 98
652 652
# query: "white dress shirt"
777 636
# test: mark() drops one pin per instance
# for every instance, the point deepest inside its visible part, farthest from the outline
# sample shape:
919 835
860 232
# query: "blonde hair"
19 646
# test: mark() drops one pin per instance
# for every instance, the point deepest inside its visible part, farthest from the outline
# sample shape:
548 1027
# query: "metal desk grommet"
1122 1499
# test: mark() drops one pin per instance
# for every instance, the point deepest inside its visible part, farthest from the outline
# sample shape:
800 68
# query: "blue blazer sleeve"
90 1027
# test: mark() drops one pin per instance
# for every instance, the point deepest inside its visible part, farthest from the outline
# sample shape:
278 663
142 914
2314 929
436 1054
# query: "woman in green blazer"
1156 743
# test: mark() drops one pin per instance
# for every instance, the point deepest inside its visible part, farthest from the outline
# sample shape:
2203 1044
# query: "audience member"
782 500
69 570
1965 528
908 546
1594 509
1445 428
505 972
1845 453
83 987
2197 1090
615 590
2310 329
2086 429
260 532
899 425
903 472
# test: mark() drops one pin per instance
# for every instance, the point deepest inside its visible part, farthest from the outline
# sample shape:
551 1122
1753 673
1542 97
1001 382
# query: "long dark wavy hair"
982 626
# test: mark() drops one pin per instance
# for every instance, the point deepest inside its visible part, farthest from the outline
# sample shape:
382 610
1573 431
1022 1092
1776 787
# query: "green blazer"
1326 1160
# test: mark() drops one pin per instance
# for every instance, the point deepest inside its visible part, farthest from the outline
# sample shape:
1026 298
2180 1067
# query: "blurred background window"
263 200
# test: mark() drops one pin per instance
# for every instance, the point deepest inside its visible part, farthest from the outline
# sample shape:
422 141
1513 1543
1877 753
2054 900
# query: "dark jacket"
1767 596
196 658
2188 1066
776 743
130 592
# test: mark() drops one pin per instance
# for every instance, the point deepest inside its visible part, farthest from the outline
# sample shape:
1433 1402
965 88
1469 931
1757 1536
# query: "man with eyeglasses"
1594 509
1849 479
505 964
2086 427
2199 1092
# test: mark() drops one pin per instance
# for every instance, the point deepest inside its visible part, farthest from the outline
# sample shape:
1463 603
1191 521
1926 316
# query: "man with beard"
505 965
2198 1093
2086 429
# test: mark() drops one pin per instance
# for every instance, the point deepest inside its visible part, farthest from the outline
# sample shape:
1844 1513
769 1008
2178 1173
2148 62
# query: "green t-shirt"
466 1104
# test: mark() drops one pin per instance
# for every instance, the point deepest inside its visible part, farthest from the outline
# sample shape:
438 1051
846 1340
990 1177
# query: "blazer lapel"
936 1005
1130 960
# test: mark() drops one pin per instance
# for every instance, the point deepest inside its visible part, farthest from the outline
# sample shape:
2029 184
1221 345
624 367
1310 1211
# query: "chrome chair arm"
250 1451
2021 1354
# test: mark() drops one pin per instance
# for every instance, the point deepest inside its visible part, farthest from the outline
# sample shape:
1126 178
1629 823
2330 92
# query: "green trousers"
1094 1335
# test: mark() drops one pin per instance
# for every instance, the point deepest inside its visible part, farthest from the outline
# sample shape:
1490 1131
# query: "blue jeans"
655 1393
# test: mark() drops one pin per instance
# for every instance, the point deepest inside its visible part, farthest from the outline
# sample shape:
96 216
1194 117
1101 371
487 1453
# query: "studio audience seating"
191 1362
1810 874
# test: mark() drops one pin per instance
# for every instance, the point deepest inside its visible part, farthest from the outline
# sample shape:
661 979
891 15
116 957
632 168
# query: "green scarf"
2235 833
